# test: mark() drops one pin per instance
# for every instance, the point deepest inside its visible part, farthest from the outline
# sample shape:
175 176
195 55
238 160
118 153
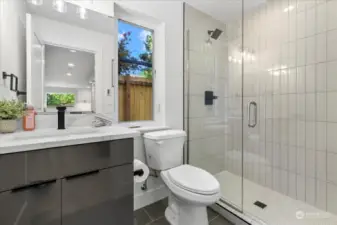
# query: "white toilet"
191 189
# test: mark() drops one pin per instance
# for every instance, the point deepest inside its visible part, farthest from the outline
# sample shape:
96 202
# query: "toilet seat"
194 179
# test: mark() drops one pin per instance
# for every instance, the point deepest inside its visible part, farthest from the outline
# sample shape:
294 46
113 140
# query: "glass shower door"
213 98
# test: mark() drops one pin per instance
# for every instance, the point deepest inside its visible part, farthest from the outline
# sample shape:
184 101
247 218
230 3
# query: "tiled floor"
154 215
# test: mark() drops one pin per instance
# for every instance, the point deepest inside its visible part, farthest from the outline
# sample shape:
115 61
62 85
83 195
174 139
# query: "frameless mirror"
67 48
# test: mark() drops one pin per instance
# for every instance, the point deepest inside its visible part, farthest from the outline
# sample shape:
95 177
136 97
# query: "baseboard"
149 197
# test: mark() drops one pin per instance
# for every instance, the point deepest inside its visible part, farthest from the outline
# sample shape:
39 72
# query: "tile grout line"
148 215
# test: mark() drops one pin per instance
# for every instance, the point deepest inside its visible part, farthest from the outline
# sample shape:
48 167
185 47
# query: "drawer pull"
37 184
82 175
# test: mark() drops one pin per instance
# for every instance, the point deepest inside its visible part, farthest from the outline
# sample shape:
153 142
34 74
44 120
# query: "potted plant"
10 112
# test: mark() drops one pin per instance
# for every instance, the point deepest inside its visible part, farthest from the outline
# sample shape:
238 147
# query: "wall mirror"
69 57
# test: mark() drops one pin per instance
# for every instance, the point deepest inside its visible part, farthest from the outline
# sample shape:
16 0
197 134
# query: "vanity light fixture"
60 6
71 65
82 12
36 2
69 74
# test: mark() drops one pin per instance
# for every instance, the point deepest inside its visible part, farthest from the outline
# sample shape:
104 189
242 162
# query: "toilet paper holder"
138 173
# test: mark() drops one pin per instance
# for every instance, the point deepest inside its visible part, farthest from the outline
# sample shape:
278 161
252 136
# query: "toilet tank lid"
165 134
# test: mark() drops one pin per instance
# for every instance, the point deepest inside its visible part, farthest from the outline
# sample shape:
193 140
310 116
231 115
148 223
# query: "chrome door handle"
253 123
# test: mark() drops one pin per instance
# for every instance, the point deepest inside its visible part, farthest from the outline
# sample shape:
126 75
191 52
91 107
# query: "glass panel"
213 97
289 72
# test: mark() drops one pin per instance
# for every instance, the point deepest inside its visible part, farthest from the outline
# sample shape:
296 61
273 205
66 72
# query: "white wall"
12 44
78 38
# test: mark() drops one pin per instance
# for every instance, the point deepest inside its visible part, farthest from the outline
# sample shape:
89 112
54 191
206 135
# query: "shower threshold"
279 210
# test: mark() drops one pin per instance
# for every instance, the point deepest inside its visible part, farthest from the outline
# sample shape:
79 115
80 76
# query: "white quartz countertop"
50 138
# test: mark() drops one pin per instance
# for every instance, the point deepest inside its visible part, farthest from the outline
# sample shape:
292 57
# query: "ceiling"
95 22
56 67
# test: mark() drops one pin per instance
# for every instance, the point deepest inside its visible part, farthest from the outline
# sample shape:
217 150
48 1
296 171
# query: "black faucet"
61 117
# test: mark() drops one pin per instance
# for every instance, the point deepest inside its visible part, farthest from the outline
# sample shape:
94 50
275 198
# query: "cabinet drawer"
104 197
42 165
35 205
82 158
121 152
12 171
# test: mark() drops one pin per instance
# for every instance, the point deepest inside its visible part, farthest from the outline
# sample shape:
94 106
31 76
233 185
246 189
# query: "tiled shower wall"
292 76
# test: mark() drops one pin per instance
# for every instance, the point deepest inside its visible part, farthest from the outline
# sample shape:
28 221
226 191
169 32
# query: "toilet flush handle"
159 142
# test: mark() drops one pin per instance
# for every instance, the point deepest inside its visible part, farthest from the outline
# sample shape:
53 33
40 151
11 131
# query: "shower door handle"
252 120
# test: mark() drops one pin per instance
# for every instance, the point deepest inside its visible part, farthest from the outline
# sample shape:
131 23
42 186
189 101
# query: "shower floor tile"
280 209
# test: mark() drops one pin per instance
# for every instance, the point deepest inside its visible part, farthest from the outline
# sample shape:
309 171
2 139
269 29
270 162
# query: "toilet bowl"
191 189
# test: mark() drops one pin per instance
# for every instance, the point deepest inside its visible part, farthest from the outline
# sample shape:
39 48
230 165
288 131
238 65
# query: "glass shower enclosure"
260 108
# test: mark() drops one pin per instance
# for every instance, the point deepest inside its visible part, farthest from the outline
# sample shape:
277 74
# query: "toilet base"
180 212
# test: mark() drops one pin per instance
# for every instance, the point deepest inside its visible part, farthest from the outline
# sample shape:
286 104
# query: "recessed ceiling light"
60 6
71 65
82 12
69 74
36 2
72 51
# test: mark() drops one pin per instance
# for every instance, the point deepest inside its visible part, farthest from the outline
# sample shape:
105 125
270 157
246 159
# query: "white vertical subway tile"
292 81
321 165
321 79
284 157
310 78
321 106
331 137
301 133
321 18
310 166
321 187
301 25
320 136
292 185
269 177
284 182
332 76
292 159
301 161
310 135
321 47
331 14
276 156
277 180
301 79
332 168
300 188
301 53
332 198
311 21
332 107
301 107
332 44
292 125
310 50
310 107
310 191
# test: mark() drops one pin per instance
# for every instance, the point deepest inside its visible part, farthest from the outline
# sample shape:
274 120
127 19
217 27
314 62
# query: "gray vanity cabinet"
32 205
12 171
102 197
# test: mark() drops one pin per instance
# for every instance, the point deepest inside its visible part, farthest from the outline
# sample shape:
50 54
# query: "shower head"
215 34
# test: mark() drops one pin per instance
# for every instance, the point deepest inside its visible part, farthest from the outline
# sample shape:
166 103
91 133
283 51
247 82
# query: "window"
135 72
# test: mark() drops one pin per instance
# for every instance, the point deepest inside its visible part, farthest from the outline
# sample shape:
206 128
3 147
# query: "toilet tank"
164 149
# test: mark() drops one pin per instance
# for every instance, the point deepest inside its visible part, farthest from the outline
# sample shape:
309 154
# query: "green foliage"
55 99
147 56
125 69
124 52
11 109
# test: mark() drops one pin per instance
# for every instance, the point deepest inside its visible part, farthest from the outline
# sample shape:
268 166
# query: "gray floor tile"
141 217
211 214
220 221
156 210
161 221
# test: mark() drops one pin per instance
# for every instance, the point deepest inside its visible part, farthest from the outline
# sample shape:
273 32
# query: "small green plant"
11 109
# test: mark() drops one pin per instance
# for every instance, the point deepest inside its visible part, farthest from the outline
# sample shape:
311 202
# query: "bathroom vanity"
72 179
